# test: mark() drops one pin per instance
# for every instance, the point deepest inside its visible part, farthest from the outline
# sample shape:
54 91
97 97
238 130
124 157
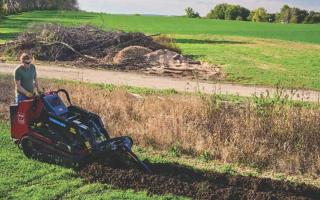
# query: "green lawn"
258 61
250 53
22 178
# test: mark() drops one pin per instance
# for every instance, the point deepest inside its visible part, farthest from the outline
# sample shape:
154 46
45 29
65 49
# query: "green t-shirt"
26 76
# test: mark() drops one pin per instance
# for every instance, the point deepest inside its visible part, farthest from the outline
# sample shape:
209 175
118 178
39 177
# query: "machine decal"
57 122
84 126
76 122
21 118
88 144
73 130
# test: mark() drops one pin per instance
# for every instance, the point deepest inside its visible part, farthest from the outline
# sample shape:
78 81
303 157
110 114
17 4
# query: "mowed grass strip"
22 178
243 49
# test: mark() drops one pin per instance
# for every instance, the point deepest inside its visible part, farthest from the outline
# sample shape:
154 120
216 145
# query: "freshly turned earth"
183 181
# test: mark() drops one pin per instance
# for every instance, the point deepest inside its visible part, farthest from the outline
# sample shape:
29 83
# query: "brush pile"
91 46
58 43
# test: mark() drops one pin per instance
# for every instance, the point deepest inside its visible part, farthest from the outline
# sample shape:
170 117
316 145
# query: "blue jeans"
20 98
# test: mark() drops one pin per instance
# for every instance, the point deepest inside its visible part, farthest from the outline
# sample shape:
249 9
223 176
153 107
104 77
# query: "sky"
176 7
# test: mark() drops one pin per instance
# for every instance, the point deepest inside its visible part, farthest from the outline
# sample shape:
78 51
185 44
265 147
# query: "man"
25 77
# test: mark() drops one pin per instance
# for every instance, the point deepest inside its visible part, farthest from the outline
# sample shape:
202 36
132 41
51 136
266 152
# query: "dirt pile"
183 181
133 55
91 46
164 61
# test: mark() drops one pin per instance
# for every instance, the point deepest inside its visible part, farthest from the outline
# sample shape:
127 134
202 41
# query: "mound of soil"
164 61
183 181
133 55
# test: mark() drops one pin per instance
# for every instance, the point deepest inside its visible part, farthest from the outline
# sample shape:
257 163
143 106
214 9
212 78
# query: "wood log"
179 69
172 71
72 49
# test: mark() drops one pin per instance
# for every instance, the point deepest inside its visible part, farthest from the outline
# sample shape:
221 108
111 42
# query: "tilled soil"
183 181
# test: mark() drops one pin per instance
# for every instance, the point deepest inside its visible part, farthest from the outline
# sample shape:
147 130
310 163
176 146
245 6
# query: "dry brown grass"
168 42
264 133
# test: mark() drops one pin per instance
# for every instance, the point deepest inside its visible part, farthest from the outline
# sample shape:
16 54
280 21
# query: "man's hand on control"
29 94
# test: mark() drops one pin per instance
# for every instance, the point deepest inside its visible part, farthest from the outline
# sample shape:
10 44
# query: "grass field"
169 25
22 178
250 53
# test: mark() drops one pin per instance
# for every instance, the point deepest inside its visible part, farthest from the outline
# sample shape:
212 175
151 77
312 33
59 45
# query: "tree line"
8 7
286 15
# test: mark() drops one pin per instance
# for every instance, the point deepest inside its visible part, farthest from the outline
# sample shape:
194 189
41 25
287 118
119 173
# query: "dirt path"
140 80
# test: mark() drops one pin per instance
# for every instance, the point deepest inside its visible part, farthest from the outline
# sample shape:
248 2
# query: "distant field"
169 25
250 53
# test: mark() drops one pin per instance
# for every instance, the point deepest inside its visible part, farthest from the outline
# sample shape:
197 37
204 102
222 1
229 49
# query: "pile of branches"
94 47
52 42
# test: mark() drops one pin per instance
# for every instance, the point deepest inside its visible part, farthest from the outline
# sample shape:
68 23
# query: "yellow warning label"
88 145
73 130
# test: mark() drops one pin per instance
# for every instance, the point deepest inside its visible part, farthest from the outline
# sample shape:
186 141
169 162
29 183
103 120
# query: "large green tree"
16 6
1 8
243 13
191 13
259 15
292 15
232 12
285 14
228 11
298 15
312 18
218 12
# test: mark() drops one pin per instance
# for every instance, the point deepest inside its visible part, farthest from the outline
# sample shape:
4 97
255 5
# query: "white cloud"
176 7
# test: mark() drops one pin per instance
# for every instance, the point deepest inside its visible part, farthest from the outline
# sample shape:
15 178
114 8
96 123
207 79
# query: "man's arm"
36 83
22 90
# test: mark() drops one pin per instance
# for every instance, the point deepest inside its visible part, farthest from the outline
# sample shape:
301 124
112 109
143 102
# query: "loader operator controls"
55 105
